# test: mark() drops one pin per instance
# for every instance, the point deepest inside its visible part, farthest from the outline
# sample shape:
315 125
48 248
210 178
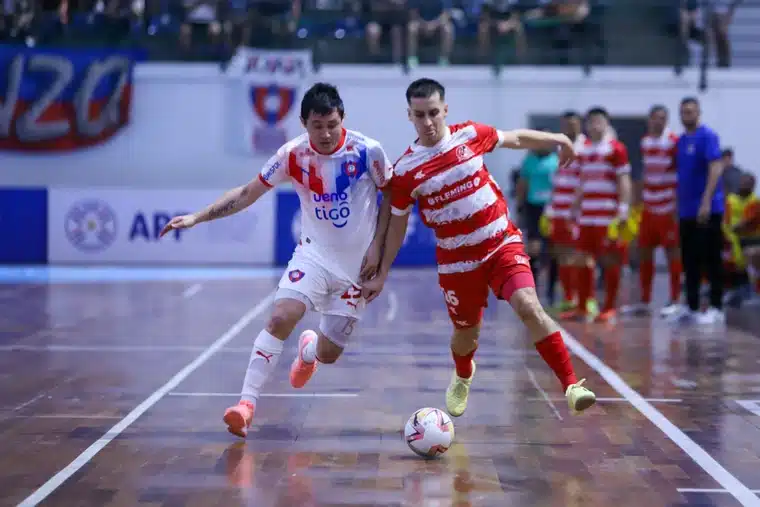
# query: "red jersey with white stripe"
565 185
456 195
658 155
338 194
600 165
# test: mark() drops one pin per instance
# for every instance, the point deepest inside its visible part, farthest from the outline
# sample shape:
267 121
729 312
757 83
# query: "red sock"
567 276
646 275
585 286
675 280
463 364
611 285
553 351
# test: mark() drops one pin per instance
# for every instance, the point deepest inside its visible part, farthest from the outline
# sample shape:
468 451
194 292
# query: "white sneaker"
711 316
635 309
682 315
671 309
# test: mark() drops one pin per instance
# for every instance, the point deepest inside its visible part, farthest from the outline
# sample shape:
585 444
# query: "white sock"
309 354
266 351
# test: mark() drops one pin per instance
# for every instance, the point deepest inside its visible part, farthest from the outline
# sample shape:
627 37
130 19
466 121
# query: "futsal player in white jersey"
337 174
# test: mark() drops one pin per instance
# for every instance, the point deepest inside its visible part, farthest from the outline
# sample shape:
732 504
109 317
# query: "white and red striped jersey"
658 156
456 195
565 185
338 194
600 165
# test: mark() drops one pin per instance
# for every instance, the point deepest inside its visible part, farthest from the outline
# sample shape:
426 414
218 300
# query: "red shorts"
593 240
564 232
658 230
466 294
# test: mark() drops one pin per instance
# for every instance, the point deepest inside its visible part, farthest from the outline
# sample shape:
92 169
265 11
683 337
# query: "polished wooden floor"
111 394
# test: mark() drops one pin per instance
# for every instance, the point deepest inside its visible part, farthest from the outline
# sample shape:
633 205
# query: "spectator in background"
429 18
263 23
201 19
569 26
386 17
732 173
718 17
701 205
534 189
500 18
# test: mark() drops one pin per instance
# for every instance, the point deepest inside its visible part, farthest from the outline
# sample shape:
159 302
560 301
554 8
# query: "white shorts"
326 292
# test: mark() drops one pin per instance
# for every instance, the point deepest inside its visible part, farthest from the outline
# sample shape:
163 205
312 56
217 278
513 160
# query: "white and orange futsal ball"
429 432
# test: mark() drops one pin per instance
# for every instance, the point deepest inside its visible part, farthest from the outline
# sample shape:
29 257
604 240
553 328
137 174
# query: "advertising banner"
267 87
61 99
23 226
121 226
418 248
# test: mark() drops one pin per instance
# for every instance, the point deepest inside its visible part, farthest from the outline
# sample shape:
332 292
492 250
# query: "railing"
604 32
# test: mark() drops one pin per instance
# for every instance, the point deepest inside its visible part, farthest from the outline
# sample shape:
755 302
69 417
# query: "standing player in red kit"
478 246
604 196
659 220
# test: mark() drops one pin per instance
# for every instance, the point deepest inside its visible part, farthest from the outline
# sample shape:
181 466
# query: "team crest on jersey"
295 275
350 169
464 152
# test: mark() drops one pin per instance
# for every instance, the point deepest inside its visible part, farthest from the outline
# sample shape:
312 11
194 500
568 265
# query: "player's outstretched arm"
393 241
527 139
230 203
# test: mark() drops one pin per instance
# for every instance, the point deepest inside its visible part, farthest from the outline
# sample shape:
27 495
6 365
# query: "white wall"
184 121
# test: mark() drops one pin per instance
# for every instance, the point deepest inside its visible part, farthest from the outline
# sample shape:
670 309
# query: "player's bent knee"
465 340
286 314
526 304
327 351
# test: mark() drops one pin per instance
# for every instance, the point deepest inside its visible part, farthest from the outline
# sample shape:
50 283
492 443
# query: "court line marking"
192 290
544 394
392 306
708 490
268 395
701 457
64 474
29 402
67 416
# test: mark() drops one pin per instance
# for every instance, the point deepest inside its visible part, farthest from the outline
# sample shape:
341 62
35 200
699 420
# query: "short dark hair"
571 114
598 110
727 152
658 108
690 100
424 88
321 99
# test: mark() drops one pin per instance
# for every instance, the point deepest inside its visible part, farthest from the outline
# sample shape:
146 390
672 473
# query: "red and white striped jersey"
658 155
456 195
600 165
565 185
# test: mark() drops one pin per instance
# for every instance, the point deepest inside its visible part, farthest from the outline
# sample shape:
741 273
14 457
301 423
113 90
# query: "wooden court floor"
111 394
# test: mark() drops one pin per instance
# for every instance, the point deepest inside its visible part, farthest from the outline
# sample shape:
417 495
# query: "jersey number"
450 297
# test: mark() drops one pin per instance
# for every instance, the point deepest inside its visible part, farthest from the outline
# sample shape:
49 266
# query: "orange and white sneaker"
300 370
607 317
238 418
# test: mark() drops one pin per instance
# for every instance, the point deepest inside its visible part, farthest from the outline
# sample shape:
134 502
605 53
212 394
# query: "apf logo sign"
91 225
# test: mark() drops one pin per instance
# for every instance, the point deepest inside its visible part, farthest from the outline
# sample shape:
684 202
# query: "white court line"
701 457
650 400
544 394
392 306
707 490
67 416
269 395
54 482
192 290
28 402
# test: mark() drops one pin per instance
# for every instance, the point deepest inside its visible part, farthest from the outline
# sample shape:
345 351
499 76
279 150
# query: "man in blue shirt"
700 209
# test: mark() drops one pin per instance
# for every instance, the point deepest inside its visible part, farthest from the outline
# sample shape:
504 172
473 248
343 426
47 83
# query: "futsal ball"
429 432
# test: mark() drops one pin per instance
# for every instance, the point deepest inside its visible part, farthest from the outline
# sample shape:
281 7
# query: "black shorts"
531 216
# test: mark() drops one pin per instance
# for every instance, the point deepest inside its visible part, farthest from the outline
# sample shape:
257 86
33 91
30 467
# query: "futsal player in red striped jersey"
478 246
